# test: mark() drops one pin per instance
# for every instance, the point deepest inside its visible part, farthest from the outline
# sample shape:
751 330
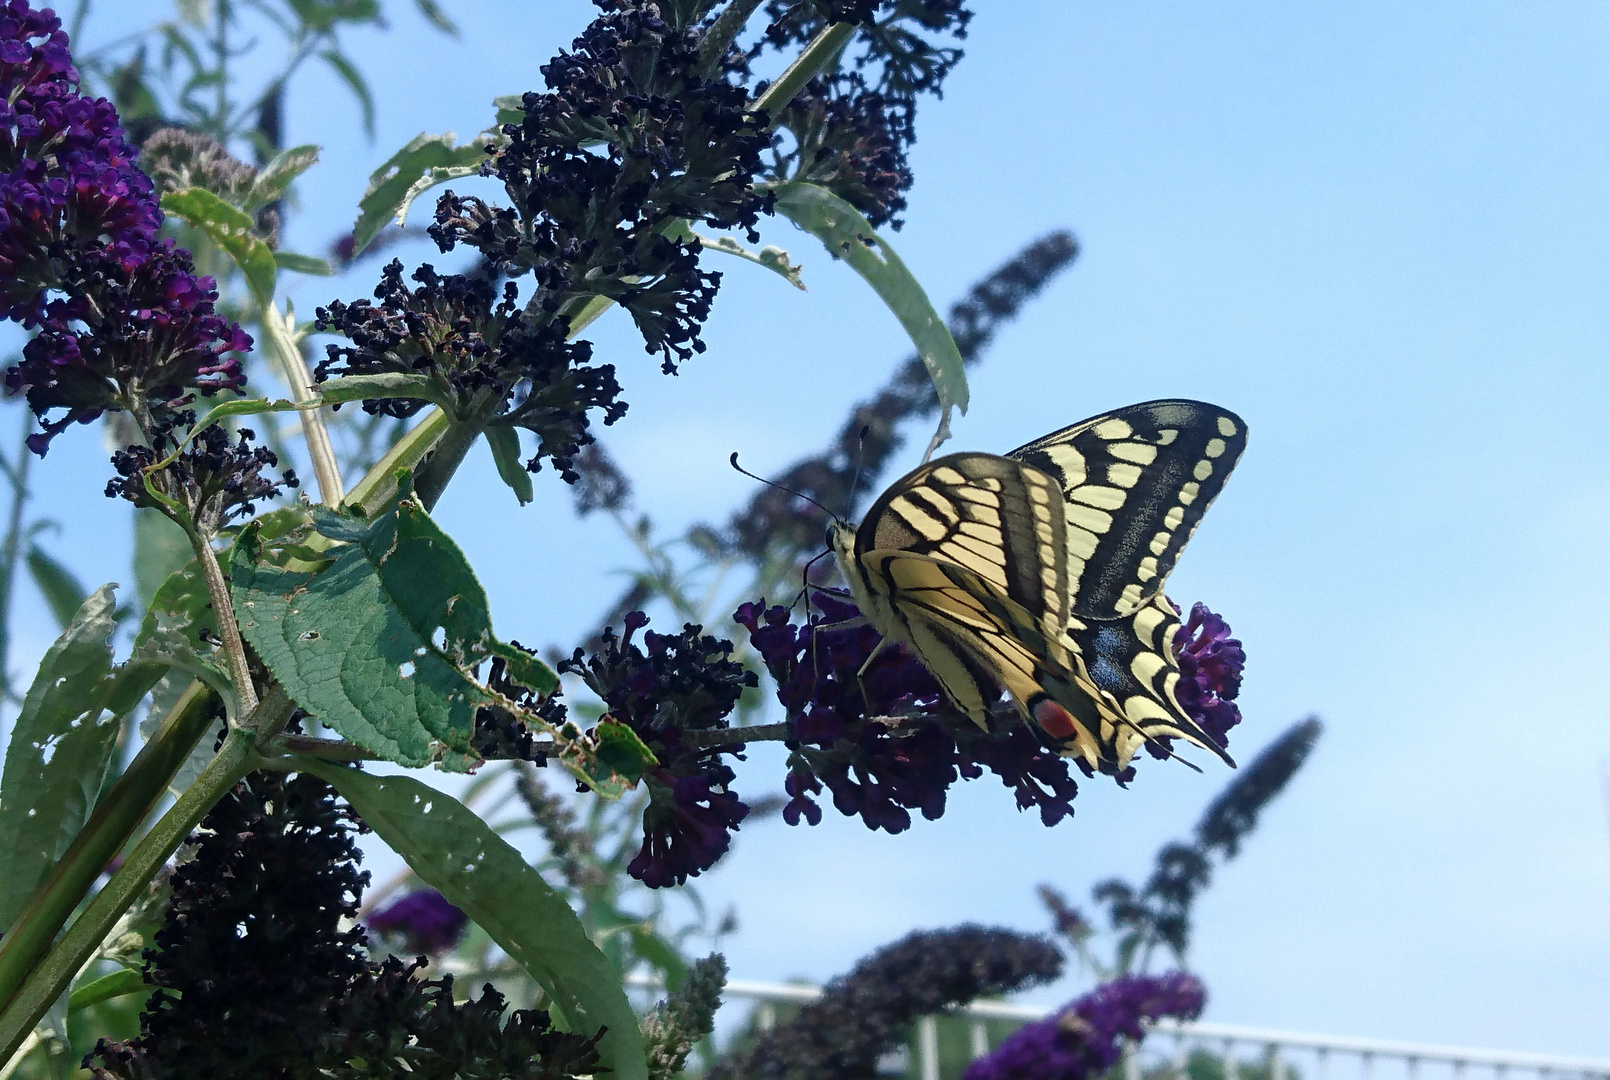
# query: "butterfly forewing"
1135 483
990 515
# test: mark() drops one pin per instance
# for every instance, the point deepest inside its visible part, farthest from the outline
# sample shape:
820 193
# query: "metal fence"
1237 1053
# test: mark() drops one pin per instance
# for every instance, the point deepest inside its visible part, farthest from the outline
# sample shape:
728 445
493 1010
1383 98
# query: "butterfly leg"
866 702
843 624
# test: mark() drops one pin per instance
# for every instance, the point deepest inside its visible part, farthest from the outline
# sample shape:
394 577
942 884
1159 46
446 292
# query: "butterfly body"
1040 572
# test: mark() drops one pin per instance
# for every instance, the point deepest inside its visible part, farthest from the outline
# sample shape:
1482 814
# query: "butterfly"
1041 572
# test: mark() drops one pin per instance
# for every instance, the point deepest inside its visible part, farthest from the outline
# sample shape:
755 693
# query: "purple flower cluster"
451 330
628 138
123 320
426 919
667 689
899 747
1211 662
1084 1039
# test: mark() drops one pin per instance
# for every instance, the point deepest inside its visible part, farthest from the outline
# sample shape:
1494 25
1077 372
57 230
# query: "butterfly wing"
1135 483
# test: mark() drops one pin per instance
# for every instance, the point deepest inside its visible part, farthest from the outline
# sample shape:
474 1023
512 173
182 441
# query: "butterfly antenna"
779 487
860 461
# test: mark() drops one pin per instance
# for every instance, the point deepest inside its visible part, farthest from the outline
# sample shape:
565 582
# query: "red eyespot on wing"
1054 720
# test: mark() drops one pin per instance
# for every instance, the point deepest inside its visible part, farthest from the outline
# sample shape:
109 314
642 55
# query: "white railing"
1172 1043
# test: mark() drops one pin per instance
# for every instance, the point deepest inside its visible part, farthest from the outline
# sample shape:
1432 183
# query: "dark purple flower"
667 688
123 320
1211 662
1085 1039
426 919
687 826
901 746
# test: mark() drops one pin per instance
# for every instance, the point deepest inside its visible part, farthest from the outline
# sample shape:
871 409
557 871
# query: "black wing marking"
1135 483
996 518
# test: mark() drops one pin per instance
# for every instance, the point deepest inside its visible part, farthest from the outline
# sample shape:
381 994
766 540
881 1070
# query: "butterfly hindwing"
1135 483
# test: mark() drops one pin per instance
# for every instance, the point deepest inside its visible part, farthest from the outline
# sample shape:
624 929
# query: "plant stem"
240 672
379 484
126 804
720 36
47 981
437 471
727 736
823 50
18 475
293 367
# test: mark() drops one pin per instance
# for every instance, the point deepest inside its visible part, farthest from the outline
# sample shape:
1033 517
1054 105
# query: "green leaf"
273 178
436 16
117 984
61 747
231 229
160 549
610 757
847 234
510 107
390 385
58 585
426 161
355 82
303 264
383 644
772 258
505 444
456 853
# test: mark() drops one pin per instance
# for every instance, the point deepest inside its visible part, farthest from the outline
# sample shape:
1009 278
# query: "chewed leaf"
771 257
849 236
61 747
385 641
460 856
611 756
426 161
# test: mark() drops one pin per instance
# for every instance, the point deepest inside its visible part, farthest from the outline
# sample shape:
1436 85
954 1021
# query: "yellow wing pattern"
1041 572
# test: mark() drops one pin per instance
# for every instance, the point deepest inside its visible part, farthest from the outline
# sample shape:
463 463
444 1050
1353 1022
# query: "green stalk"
821 53
128 802
379 486
47 981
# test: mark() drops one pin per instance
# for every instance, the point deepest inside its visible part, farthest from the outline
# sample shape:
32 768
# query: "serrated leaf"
230 228
426 161
274 177
771 257
303 264
847 234
611 757
354 79
57 584
384 644
61 747
505 444
456 853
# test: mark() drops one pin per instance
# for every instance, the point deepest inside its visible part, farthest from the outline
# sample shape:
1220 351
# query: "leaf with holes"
384 641
459 855
61 747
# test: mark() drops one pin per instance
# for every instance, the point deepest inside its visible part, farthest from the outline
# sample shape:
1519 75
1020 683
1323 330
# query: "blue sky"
1376 231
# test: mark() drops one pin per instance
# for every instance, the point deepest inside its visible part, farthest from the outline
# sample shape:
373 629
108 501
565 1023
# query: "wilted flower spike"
1084 1040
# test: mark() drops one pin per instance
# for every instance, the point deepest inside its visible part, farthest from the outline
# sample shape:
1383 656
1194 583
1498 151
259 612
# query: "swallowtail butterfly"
1042 571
